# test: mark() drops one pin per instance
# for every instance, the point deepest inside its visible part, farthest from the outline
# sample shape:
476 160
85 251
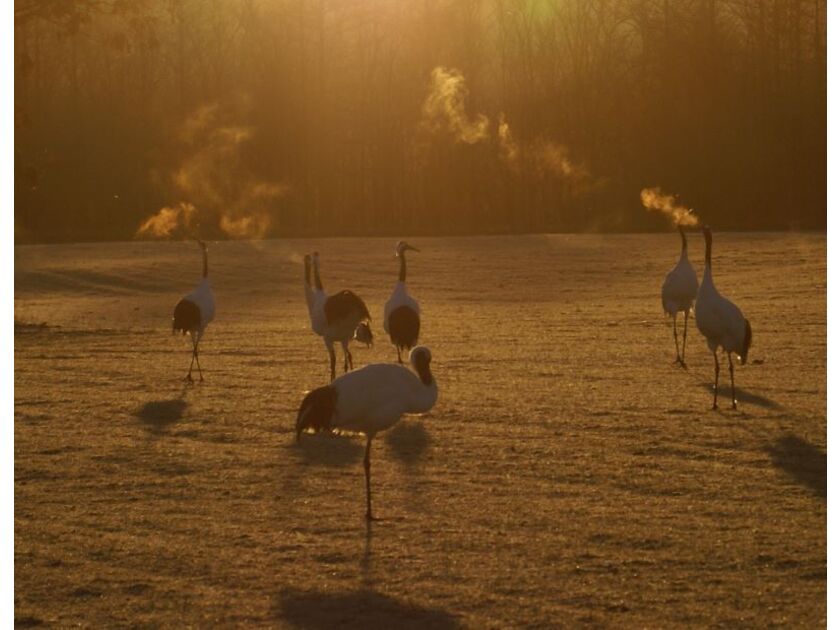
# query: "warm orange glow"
313 117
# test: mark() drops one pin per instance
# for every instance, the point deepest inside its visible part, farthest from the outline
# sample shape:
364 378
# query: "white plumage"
369 400
314 299
401 318
721 322
678 293
194 312
334 317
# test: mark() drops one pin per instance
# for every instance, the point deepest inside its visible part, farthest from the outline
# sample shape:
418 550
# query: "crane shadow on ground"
327 449
725 394
158 415
803 461
363 608
408 441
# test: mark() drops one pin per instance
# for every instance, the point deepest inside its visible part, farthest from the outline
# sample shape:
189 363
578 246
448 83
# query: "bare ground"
569 475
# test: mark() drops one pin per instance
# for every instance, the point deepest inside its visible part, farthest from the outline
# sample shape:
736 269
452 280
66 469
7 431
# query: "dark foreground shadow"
363 608
408 441
159 414
801 460
326 449
725 395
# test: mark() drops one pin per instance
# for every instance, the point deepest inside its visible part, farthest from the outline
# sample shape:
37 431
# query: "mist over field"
388 117
569 475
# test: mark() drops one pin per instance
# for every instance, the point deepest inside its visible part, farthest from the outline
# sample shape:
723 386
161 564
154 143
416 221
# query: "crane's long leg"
717 374
331 350
676 342
347 356
188 377
685 332
399 356
195 354
732 381
369 514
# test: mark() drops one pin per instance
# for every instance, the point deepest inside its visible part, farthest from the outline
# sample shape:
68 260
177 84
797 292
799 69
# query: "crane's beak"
412 248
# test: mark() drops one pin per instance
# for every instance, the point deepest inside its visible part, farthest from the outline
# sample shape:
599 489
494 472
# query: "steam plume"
214 177
655 200
546 156
168 220
444 107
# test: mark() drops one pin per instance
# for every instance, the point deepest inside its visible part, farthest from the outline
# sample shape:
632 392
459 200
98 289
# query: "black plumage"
316 410
187 317
404 327
343 305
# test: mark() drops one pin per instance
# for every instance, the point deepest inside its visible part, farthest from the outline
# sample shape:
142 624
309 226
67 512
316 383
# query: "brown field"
569 475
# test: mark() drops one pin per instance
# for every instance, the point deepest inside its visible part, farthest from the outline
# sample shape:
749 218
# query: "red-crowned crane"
678 293
369 400
402 313
335 317
194 312
721 322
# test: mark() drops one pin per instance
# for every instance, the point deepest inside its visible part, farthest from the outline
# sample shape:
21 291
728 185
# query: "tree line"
356 117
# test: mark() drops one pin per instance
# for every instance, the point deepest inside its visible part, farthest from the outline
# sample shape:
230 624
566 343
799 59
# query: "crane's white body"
680 287
202 297
719 320
343 328
195 311
374 398
678 293
369 400
317 318
399 297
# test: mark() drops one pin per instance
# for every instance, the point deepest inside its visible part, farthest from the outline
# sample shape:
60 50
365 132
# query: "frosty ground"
570 474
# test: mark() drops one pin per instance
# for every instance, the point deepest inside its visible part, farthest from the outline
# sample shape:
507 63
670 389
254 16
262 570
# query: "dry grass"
569 475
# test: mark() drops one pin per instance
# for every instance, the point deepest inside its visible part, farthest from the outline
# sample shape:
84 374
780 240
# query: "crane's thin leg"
685 332
717 374
369 514
195 353
399 356
189 377
347 356
676 342
732 381
332 362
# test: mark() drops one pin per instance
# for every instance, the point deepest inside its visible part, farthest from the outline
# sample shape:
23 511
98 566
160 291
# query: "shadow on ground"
327 449
408 441
363 608
725 395
157 415
801 460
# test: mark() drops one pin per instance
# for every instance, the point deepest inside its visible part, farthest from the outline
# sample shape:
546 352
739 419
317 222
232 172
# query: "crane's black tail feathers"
187 317
745 349
345 304
404 327
316 410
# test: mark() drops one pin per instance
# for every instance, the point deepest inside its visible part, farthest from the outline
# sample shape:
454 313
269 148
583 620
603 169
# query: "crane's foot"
735 404
188 378
715 407
370 518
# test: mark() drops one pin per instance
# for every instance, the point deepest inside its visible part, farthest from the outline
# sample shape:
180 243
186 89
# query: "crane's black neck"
684 243
318 284
708 236
425 373
402 266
